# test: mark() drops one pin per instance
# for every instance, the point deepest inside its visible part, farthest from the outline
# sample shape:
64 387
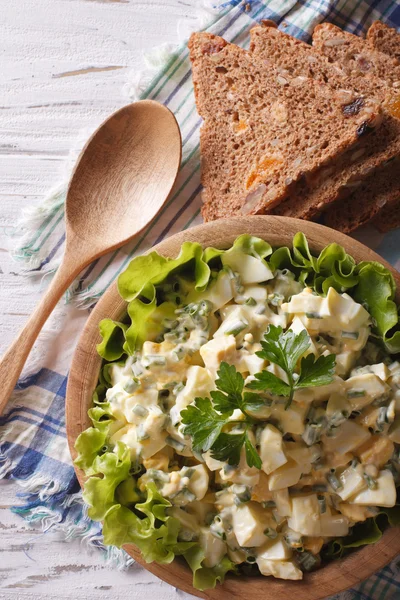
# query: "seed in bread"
356 57
258 128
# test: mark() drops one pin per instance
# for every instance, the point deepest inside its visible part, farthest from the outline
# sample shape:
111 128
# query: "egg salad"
263 416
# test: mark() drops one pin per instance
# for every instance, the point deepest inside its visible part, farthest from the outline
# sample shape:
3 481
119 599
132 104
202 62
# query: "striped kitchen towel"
33 449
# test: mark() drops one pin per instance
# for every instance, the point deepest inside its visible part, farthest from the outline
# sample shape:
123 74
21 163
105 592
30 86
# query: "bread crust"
258 127
385 39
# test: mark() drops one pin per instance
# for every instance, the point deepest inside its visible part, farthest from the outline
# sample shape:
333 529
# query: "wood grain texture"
122 179
43 116
278 231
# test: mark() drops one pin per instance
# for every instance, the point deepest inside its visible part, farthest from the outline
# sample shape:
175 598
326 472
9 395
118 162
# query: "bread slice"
262 133
385 39
356 57
301 60
374 196
389 216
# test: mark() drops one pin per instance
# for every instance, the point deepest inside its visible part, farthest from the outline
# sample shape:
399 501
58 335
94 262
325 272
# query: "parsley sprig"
285 349
209 423
204 420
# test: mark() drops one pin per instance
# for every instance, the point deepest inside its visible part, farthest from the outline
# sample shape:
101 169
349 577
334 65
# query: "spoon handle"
14 359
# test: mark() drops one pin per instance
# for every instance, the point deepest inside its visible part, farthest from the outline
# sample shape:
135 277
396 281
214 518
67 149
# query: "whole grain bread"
294 57
356 57
389 216
375 196
259 128
385 39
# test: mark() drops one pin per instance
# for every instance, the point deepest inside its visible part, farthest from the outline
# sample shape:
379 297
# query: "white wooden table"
63 65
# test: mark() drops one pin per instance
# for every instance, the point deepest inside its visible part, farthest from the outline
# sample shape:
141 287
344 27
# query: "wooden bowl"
278 231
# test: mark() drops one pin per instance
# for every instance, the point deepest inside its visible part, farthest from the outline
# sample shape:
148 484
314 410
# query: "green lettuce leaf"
110 470
99 393
363 534
113 338
206 578
376 290
248 244
105 372
369 283
146 322
155 534
91 441
145 272
88 444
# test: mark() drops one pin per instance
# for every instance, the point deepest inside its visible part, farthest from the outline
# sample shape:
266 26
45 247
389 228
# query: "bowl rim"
334 577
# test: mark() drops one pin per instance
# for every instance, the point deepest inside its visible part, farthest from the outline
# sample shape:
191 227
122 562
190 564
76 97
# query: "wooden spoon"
122 179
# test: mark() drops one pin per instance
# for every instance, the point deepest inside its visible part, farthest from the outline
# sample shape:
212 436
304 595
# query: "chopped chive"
312 433
322 503
188 472
154 360
174 443
236 327
381 419
177 388
356 393
242 493
268 504
372 484
140 411
184 494
334 481
131 385
251 302
352 335
308 561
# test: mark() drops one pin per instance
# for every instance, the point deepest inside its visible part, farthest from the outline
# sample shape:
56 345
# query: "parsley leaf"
316 372
230 381
268 381
285 349
252 402
223 403
252 457
203 423
209 422
228 447
204 420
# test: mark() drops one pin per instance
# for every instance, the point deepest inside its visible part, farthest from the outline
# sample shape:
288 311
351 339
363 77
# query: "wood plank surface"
65 65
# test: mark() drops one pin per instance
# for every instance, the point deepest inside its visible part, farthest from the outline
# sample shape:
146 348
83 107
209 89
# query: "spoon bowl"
128 167
122 179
